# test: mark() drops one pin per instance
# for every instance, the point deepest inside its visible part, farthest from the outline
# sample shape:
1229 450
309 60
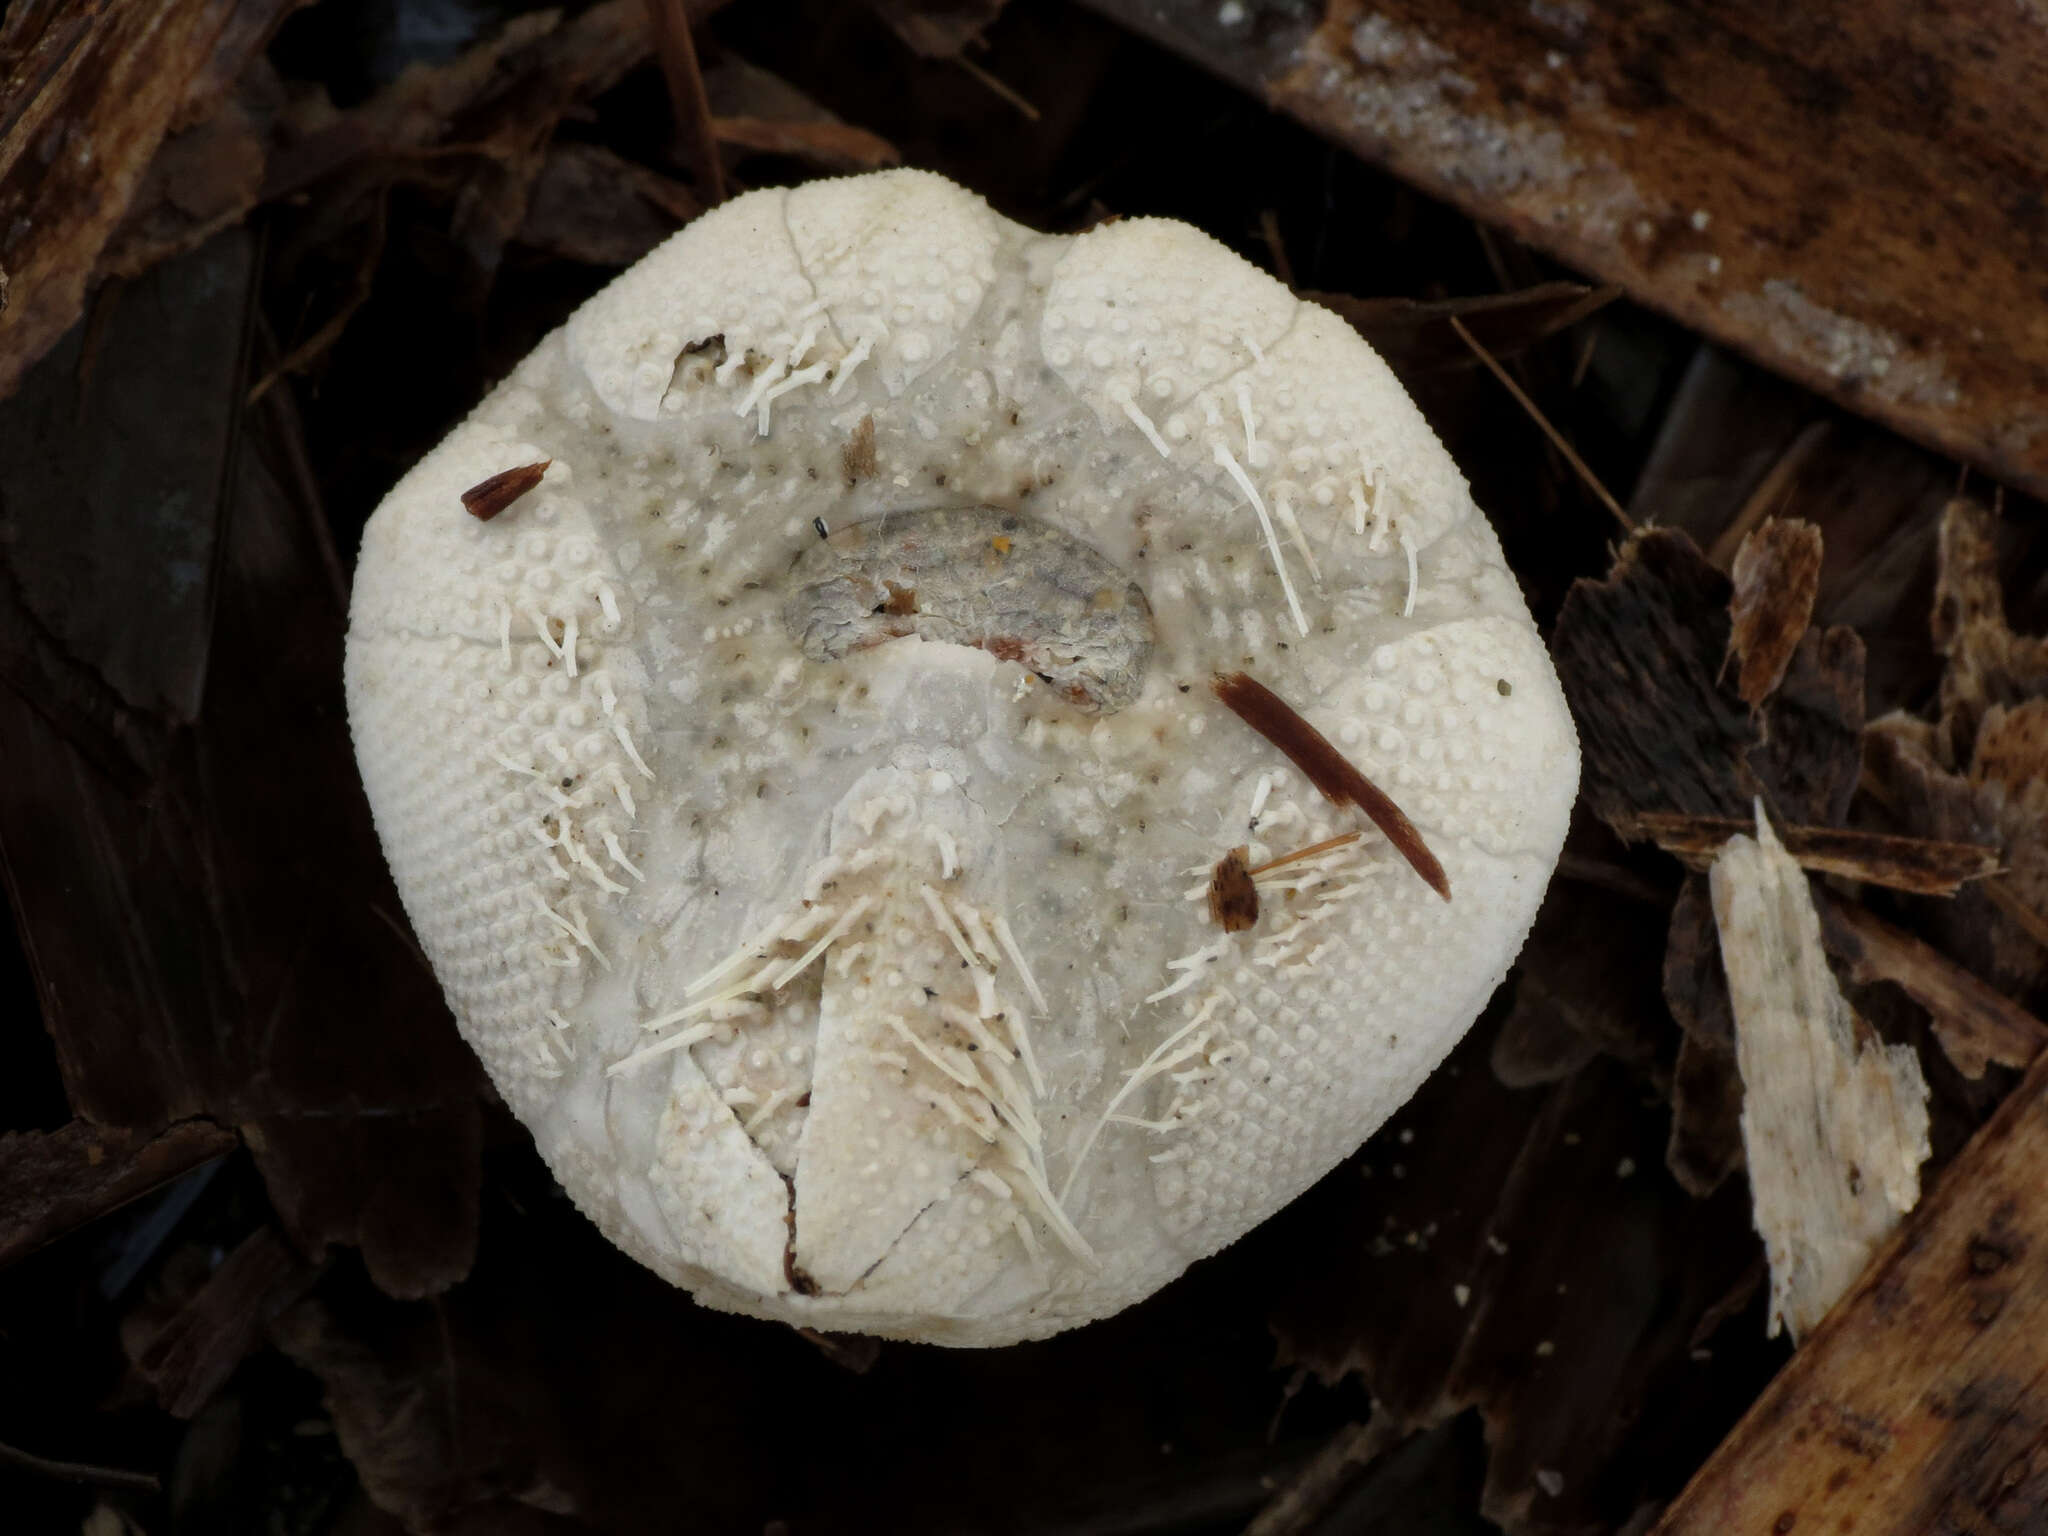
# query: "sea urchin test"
811 757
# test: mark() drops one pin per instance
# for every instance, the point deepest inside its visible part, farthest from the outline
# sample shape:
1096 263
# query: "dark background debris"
273 1258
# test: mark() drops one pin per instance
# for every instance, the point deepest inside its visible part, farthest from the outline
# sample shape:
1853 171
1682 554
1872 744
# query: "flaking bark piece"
52 1182
1987 663
1233 899
490 496
1328 769
1809 759
1975 1023
1916 1406
1923 866
1640 655
1834 1123
187 1353
1776 576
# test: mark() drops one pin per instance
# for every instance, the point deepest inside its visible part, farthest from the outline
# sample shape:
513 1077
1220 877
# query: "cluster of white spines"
501 740
900 261
1231 379
969 1055
784 290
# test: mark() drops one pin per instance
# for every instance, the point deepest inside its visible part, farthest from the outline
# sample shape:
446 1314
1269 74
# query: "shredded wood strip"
1834 1121
1975 1023
1920 865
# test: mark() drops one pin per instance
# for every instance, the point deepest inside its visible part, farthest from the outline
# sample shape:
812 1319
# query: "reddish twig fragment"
1328 769
1233 899
487 498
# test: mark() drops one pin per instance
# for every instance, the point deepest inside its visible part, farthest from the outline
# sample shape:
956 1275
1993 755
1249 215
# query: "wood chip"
1834 1123
1233 899
52 1182
1777 577
1976 1024
1923 866
1328 769
190 1355
1688 163
1915 1407
1640 656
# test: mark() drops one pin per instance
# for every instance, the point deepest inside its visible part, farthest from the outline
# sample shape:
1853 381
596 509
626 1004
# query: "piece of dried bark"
1686 161
1980 773
1776 577
1738 445
1811 753
1988 664
1976 1024
1915 1407
86 99
53 1182
188 1354
1834 1123
1640 654
1924 866
203 177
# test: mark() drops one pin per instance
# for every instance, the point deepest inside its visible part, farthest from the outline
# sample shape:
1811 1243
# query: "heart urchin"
805 778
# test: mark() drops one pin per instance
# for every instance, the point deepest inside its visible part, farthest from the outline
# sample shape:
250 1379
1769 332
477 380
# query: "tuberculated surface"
836 912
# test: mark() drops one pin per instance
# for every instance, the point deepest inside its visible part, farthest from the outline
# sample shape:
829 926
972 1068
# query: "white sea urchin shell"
850 974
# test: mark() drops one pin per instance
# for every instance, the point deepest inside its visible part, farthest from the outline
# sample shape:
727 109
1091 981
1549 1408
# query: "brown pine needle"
1328 769
1001 88
1557 440
676 50
1307 853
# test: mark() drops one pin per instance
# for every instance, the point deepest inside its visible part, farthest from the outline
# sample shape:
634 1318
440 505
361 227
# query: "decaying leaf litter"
273 1255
